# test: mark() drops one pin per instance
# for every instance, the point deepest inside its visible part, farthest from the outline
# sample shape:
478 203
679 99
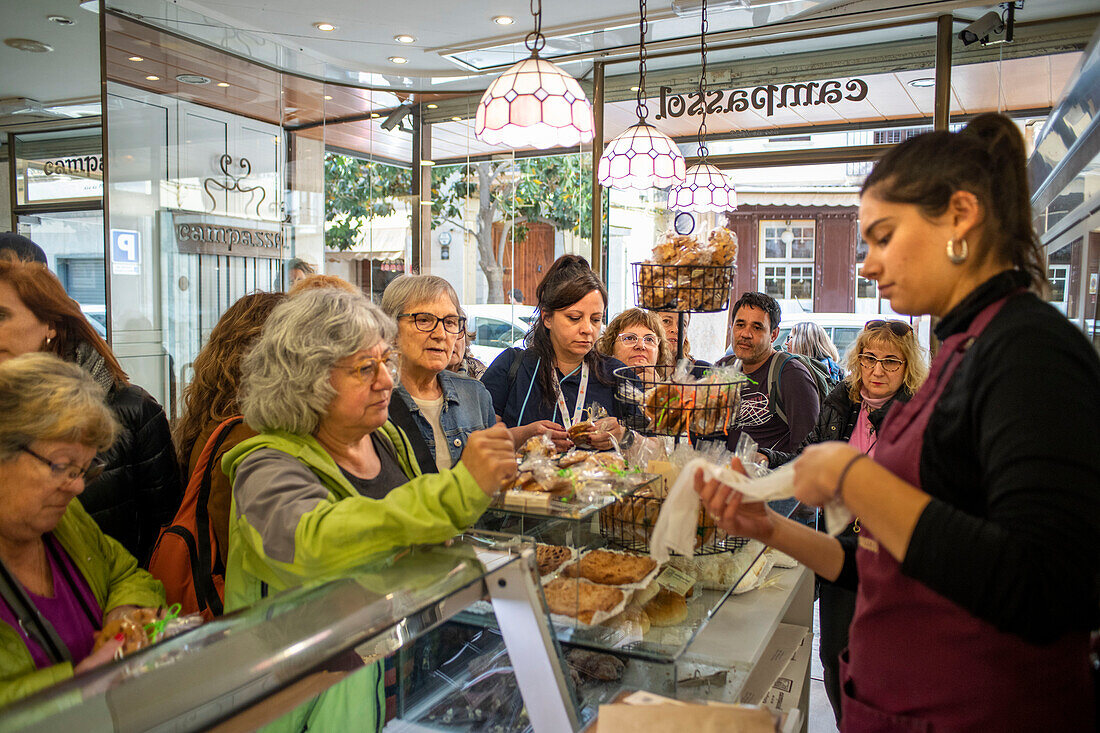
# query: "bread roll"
667 609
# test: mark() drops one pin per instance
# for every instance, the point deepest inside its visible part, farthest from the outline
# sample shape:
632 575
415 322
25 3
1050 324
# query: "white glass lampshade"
534 103
641 157
705 188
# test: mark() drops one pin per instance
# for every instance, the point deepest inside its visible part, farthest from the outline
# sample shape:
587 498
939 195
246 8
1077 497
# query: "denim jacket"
466 407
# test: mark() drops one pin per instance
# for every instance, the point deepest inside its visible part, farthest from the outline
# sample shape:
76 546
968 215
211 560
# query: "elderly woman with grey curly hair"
329 480
61 578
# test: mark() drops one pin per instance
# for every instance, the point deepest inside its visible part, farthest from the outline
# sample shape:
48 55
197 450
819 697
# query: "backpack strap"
33 623
401 416
775 371
513 368
207 593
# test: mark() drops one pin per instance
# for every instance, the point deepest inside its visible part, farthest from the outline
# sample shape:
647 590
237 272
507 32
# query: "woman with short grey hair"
61 578
439 409
330 480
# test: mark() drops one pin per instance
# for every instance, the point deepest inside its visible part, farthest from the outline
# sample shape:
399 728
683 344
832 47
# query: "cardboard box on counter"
644 711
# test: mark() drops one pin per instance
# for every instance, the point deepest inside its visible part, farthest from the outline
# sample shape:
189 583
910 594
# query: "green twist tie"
156 628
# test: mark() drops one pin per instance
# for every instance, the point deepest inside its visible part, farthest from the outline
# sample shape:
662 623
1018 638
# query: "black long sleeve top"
1011 459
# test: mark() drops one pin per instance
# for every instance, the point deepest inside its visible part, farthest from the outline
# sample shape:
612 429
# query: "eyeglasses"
70 471
899 328
890 364
367 370
631 339
427 322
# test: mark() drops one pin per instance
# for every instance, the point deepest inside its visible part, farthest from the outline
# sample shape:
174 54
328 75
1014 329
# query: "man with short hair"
756 318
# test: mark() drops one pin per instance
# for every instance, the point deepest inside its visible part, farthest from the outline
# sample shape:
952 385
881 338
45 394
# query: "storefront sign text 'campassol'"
766 99
73 166
200 235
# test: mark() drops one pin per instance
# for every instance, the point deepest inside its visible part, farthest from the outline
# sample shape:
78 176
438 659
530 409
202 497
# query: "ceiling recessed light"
136 58
223 84
427 162
28 44
635 89
926 81
328 96
326 27
398 60
457 119
60 19
153 77
374 115
192 79
425 203
504 20
433 106
404 38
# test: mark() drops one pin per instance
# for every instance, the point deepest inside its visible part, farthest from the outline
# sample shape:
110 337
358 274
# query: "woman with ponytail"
546 388
979 545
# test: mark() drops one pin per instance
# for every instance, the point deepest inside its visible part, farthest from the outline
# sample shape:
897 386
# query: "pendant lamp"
705 188
534 103
642 156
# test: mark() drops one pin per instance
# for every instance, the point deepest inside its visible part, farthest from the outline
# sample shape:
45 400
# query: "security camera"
982 28
394 119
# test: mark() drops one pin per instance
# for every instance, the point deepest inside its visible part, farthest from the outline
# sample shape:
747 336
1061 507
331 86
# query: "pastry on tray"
551 557
580 599
611 568
666 609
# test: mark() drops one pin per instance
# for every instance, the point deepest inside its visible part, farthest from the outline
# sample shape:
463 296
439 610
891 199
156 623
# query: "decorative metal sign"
766 99
224 235
232 184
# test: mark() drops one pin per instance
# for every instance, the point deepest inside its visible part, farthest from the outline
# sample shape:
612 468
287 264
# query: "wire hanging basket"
694 288
704 403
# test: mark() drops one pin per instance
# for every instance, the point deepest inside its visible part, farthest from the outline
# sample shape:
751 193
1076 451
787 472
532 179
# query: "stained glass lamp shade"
641 157
704 189
534 103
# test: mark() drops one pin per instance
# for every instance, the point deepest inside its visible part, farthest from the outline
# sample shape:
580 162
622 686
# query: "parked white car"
497 326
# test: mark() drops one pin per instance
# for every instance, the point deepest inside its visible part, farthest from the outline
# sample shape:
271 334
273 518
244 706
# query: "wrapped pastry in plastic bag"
144 626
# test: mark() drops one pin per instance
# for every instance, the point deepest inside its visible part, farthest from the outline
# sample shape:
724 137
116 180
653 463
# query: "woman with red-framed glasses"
979 549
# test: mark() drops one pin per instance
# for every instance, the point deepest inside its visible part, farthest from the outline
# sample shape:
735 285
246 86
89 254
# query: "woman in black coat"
885 365
139 491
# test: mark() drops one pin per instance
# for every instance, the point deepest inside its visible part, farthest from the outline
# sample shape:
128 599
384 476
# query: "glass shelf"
580 506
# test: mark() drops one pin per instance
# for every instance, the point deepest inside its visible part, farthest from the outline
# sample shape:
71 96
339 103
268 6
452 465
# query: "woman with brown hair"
637 338
979 544
546 388
211 398
139 490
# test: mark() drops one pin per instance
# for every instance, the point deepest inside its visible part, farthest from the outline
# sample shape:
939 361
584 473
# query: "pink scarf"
864 437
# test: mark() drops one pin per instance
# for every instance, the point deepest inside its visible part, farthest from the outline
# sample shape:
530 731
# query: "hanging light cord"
535 41
703 86
643 28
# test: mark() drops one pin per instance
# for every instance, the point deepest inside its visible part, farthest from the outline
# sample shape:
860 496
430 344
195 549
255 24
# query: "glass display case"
249 667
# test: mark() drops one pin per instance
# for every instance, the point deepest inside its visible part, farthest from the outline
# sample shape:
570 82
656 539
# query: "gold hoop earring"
957 258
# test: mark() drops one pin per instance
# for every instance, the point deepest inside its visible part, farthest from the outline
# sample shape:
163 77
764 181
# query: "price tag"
675 581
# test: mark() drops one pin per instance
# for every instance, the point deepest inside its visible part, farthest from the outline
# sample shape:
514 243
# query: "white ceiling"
69 72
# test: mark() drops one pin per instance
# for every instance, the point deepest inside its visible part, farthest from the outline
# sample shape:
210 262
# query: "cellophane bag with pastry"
700 405
142 627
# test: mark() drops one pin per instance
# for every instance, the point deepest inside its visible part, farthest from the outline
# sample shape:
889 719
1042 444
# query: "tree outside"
554 190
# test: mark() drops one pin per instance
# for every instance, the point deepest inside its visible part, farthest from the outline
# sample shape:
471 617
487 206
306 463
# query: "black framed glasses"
368 369
630 340
899 328
427 322
70 471
890 364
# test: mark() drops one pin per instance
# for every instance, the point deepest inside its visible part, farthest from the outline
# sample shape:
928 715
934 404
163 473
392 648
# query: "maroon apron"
917 661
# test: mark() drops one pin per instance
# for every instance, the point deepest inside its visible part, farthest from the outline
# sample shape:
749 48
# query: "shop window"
864 288
787 257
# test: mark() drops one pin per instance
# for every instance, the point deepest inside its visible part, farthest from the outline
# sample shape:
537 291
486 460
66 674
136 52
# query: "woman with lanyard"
979 547
550 386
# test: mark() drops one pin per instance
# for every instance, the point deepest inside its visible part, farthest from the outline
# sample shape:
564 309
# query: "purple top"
63 611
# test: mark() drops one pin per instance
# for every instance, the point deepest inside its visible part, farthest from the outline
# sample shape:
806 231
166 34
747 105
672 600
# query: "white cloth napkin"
679 517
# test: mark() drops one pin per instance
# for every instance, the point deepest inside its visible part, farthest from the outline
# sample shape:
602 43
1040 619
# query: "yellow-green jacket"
115 579
295 517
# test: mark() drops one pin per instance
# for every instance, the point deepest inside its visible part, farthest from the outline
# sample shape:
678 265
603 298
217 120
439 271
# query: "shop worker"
979 544
329 480
780 406
547 387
